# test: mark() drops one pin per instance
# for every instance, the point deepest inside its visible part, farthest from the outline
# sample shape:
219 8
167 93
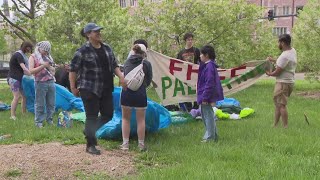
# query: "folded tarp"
65 100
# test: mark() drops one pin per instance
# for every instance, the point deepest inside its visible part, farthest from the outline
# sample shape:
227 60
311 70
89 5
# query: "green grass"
247 149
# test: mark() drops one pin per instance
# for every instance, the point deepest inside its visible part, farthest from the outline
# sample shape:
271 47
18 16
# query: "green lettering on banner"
178 86
191 91
164 86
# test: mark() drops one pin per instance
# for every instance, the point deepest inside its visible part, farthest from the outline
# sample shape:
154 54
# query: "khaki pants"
281 93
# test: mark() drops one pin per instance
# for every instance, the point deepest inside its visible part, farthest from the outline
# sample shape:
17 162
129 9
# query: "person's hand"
27 72
268 73
123 83
46 64
204 103
75 91
269 58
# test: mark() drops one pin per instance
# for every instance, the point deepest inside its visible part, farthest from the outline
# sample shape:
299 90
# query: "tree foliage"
26 12
307 37
3 43
232 27
64 20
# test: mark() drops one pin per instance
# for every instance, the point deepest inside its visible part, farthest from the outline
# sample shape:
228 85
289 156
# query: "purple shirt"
209 87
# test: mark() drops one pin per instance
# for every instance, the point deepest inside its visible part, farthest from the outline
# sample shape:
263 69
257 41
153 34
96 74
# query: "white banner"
175 80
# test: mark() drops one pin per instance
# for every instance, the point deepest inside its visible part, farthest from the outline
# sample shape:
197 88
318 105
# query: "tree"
26 12
306 38
3 43
231 26
63 21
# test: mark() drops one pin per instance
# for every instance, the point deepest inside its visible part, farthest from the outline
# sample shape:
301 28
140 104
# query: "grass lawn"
247 149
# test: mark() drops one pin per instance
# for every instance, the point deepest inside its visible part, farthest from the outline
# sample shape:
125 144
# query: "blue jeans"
209 120
45 101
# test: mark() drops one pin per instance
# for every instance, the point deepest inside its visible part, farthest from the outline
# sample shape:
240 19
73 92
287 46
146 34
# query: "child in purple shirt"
209 90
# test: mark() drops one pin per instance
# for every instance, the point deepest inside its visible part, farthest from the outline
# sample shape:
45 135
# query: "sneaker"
93 150
124 147
39 125
142 147
13 118
50 123
204 141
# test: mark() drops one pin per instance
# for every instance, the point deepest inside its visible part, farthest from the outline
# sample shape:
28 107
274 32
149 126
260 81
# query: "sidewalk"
3 80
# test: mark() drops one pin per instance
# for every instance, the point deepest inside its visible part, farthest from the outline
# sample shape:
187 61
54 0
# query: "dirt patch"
310 94
57 161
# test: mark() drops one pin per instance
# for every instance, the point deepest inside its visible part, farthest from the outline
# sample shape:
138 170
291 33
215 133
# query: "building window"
275 10
286 10
133 2
123 3
279 30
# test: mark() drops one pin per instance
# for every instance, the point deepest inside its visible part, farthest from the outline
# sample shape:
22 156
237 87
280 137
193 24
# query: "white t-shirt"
287 61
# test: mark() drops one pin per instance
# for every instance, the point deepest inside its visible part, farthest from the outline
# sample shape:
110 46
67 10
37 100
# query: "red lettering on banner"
190 70
172 67
233 70
221 77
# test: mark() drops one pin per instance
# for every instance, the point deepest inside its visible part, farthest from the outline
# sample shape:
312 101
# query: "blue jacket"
209 87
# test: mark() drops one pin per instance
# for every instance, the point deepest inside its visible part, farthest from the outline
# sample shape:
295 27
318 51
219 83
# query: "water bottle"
6 136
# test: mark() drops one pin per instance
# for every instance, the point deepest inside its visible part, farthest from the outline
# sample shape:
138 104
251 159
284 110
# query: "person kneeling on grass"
135 99
209 90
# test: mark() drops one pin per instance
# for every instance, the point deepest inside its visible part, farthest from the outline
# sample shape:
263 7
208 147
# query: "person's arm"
34 70
197 56
25 69
209 84
72 79
275 72
121 77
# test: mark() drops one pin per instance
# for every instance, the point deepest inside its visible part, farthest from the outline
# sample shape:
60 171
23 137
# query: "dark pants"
93 105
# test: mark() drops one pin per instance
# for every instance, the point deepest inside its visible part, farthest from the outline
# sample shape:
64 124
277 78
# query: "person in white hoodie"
285 70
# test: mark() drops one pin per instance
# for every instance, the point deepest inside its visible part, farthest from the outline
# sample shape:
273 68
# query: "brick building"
280 9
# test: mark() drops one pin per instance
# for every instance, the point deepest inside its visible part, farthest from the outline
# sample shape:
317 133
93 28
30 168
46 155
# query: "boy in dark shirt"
189 54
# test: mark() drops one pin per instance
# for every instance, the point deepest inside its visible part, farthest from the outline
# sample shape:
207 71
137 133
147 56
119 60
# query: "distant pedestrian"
285 70
18 66
41 64
209 91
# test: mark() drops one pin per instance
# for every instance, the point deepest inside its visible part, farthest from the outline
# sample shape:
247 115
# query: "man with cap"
93 67
41 65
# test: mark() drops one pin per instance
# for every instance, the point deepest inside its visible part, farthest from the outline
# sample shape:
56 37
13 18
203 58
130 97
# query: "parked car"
4 69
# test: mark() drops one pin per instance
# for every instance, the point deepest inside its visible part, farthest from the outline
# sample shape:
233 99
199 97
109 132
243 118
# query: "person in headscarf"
42 65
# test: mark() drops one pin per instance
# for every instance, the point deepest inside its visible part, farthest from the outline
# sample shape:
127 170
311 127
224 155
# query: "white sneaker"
13 118
124 147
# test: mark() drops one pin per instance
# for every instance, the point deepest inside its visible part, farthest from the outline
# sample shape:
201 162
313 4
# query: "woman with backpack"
134 97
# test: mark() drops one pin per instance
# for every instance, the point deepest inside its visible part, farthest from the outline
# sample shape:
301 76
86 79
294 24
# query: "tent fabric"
65 100
157 117
4 107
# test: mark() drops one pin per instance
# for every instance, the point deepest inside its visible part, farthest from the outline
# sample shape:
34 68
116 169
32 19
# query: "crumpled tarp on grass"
65 100
4 107
157 117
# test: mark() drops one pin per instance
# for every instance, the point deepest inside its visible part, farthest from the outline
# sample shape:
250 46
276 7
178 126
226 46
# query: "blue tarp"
65 100
157 116
4 107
